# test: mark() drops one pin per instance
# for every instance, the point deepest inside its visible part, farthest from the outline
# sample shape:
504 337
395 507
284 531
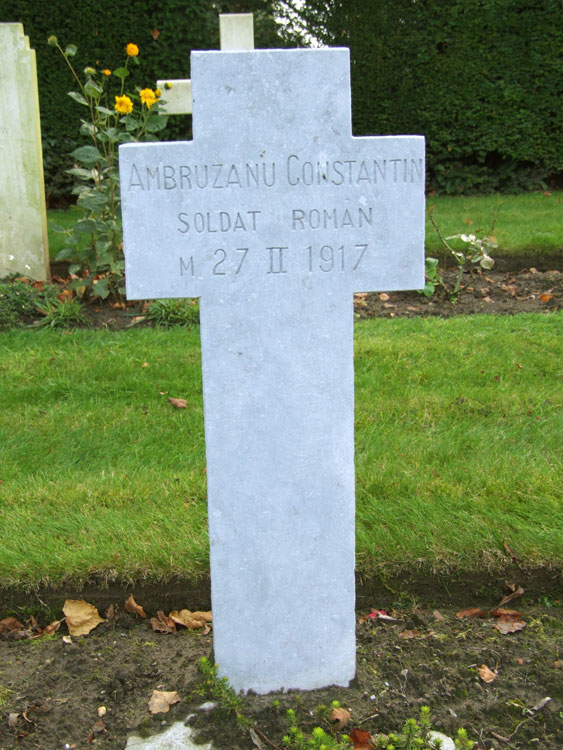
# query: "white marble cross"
236 34
274 215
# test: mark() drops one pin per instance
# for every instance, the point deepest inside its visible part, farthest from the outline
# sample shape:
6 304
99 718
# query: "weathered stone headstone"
274 215
23 222
236 33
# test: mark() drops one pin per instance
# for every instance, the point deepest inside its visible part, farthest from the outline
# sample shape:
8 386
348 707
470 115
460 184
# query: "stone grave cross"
274 215
236 32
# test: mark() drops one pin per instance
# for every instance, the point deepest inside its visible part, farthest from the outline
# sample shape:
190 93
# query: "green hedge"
481 79
165 32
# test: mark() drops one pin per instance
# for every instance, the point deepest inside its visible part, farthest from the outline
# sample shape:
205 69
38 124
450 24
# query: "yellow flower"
106 72
148 97
123 104
132 50
158 93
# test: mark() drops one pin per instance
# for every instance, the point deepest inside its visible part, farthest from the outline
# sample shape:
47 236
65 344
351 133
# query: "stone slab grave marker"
23 218
236 33
274 215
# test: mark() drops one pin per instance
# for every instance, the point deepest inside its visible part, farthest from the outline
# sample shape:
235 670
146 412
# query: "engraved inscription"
293 170
327 259
217 221
277 260
332 218
305 173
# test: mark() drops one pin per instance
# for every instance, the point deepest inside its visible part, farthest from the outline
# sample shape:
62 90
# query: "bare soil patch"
497 291
50 691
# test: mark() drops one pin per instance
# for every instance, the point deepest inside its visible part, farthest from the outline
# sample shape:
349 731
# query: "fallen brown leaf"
339 718
502 612
545 297
98 728
508 624
486 674
361 739
52 627
408 634
13 719
179 403
473 612
9 624
384 297
133 608
161 701
437 615
558 664
162 623
81 617
192 620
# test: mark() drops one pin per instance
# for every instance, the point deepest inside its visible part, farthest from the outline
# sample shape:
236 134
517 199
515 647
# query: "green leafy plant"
17 302
475 251
20 301
61 313
94 244
296 739
174 312
416 735
218 688
432 276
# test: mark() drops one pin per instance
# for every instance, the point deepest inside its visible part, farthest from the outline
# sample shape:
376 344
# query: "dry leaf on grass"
161 701
339 718
509 624
486 674
179 403
133 608
408 634
437 615
192 620
81 617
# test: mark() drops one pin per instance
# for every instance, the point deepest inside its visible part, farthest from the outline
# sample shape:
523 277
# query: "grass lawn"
530 222
526 223
458 449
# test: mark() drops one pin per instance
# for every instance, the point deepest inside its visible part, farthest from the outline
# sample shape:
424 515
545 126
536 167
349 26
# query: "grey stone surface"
274 215
447 742
176 737
23 218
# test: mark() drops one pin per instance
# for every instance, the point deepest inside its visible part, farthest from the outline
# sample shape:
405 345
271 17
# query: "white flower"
10 257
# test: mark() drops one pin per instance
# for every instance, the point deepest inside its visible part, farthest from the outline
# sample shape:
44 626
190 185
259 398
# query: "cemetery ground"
458 439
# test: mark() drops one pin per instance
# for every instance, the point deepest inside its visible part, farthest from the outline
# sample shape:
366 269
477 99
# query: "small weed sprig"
416 735
218 688
174 312
475 252
63 313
